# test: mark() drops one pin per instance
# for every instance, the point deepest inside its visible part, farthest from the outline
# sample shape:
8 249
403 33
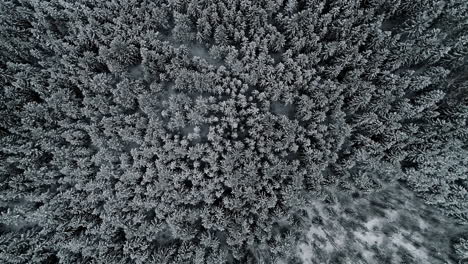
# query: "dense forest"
196 131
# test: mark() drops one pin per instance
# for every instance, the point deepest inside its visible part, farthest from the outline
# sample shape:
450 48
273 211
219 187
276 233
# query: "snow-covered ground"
388 226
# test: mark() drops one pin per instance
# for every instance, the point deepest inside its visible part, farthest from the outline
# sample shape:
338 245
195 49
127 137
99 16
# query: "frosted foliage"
194 131
388 226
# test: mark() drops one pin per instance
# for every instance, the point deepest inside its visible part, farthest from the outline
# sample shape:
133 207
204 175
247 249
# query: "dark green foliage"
199 131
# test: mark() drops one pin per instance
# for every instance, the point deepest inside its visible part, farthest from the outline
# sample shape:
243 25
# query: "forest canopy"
194 131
